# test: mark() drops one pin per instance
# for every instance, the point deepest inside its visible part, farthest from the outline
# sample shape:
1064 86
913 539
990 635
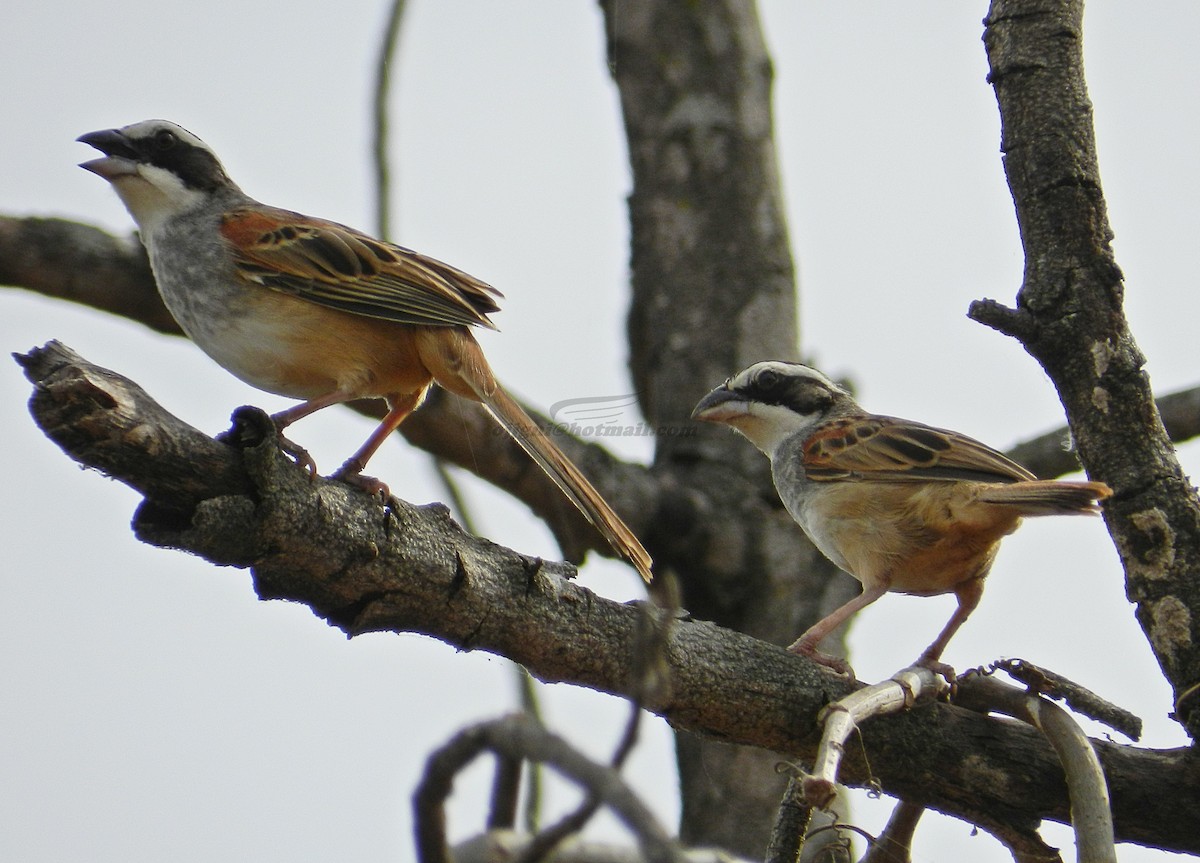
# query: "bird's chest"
921 538
808 504
195 277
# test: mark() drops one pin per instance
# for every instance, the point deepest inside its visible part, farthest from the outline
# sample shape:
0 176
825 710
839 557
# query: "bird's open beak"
119 160
720 406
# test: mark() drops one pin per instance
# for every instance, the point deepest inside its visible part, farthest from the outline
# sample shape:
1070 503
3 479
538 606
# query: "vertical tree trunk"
713 291
1070 317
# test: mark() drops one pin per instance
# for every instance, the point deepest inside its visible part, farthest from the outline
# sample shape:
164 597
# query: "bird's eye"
165 139
768 378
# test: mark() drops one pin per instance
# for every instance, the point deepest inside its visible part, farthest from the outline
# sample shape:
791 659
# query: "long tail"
458 365
1049 497
569 479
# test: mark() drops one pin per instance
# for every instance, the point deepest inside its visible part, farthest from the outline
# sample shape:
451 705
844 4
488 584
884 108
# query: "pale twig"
841 719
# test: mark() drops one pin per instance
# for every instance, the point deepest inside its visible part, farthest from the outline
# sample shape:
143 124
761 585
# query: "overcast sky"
153 709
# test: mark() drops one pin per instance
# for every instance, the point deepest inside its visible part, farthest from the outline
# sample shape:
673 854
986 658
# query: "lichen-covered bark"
713 291
364 568
1069 316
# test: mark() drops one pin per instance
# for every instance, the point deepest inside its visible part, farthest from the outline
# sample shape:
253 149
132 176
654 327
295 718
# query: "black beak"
120 158
718 405
110 142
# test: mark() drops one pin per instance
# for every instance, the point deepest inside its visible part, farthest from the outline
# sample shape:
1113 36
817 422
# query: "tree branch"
85 265
1069 317
713 290
1091 817
412 569
1052 454
519 737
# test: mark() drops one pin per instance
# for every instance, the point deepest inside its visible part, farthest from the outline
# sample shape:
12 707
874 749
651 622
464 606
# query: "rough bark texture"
1069 317
83 264
710 244
366 568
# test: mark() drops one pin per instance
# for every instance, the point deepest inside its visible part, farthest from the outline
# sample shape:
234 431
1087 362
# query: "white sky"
153 709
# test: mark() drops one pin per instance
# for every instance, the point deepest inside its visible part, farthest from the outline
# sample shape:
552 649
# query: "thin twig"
520 737
1081 700
506 786
894 844
531 706
383 180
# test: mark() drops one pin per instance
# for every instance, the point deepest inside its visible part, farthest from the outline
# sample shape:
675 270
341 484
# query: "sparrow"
313 310
899 505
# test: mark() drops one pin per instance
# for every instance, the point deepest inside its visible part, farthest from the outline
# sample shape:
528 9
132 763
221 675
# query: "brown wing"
888 449
339 267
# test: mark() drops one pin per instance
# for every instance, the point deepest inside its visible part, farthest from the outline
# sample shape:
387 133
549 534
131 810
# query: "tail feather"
457 363
1048 497
568 478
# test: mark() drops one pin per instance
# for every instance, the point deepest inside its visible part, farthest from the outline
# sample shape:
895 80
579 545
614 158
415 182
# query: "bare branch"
83 264
1025 845
791 825
518 737
1091 816
1069 317
1052 454
412 569
839 720
379 146
1081 700
894 844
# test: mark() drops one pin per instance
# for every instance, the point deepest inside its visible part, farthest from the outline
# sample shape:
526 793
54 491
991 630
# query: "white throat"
153 195
768 426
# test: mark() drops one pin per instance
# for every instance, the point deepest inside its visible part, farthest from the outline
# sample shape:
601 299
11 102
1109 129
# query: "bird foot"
939 668
252 426
300 455
351 474
801 647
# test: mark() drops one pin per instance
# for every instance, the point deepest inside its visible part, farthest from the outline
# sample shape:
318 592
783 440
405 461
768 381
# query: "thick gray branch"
1069 316
86 265
713 291
412 569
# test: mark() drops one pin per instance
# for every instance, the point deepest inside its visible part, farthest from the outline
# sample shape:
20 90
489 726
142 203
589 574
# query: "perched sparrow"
899 505
314 310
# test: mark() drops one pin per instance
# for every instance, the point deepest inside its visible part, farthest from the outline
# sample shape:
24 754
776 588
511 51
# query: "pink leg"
283 419
969 593
806 645
351 471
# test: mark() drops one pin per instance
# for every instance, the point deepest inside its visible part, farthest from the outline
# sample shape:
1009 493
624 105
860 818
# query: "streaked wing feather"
889 449
336 266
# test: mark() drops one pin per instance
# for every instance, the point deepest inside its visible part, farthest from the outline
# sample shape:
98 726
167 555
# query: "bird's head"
773 401
159 169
